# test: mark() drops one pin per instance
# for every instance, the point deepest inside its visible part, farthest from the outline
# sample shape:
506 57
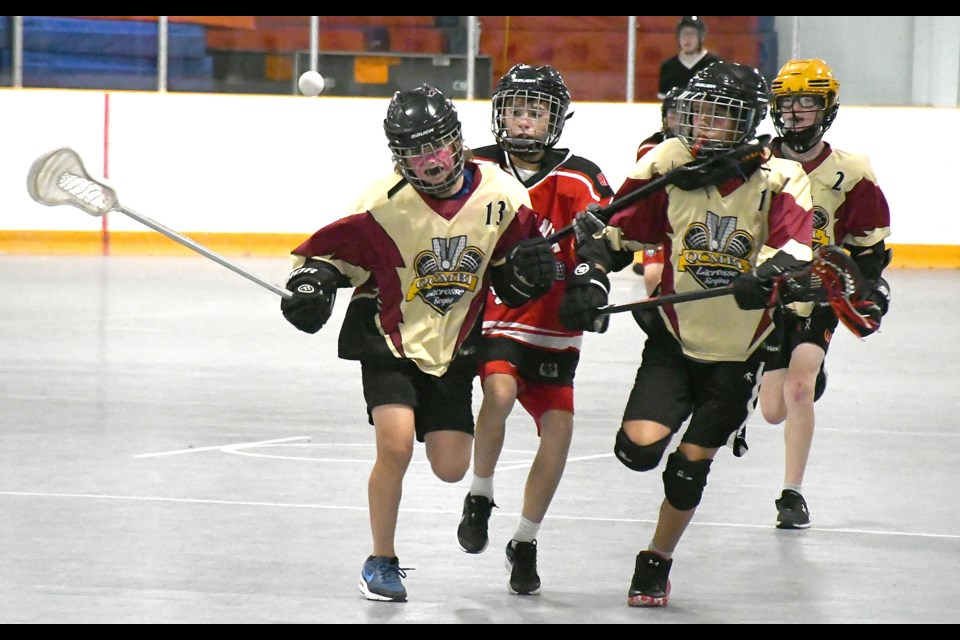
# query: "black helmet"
535 92
669 103
696 23
420 122
735 95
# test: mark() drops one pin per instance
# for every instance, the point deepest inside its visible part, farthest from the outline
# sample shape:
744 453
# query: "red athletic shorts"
653 256
536 397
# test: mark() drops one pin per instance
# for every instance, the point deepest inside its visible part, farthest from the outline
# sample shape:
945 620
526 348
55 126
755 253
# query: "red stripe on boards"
104 223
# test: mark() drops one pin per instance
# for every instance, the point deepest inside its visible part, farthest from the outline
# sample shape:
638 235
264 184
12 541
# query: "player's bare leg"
652 272
556 434
650 586
394 428
673 522
499 396
449 454
772 403
798 392
381 574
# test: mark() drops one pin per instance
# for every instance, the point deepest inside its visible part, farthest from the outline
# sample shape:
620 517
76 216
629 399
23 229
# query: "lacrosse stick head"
844 287
59 178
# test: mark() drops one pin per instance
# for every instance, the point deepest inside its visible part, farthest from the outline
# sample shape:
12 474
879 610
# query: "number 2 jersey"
564 186
848 206
420 265
710 236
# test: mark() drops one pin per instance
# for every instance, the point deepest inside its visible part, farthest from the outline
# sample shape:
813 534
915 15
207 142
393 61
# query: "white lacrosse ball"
310 83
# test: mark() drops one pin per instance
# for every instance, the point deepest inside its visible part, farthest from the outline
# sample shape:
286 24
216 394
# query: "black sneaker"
650 586
792 511
472 532
522 565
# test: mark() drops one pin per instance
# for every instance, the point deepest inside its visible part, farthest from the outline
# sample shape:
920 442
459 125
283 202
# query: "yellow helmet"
812 77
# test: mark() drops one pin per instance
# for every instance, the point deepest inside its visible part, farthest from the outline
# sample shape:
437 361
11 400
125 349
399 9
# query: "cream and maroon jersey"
421 265
564 186
848 205
710 236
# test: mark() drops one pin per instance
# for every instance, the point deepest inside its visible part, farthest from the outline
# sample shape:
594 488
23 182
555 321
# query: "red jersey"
564 186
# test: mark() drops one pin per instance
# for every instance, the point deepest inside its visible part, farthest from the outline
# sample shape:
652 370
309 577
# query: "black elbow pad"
872 260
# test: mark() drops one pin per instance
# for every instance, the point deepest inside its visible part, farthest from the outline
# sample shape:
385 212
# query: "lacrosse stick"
839 280
832 275
60 178
711 170
670 298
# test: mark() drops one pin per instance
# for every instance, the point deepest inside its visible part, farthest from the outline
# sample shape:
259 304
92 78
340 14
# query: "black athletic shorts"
533 365
793 330
669 388
439 404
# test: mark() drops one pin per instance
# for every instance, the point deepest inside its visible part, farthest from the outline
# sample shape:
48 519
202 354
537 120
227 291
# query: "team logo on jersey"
821 234
715 252
446 273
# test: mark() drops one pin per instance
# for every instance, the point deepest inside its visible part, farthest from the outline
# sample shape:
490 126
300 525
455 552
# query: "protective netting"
60 178
843 286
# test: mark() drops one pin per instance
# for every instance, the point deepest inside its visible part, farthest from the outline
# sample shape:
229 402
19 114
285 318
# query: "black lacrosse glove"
527 274
875 306
314 292
588 289
587 223
599 251
754 289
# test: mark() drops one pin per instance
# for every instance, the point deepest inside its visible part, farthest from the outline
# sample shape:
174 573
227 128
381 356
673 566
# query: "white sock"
482 487
666 555
793 487
526 530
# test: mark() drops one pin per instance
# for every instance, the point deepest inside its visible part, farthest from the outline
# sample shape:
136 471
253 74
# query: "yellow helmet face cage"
812 77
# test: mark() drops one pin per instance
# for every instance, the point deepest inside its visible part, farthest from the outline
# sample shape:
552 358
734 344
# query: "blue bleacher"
107 54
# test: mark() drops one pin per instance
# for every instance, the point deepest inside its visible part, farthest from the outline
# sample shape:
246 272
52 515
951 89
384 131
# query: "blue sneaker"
380 579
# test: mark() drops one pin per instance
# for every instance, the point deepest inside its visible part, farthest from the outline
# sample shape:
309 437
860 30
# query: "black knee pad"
684 481
637 457
821 384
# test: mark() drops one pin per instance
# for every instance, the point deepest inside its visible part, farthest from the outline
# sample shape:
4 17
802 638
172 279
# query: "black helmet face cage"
669 105
711 123
433 165
527 121
802 140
